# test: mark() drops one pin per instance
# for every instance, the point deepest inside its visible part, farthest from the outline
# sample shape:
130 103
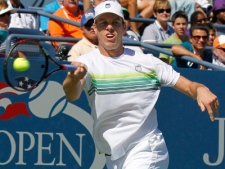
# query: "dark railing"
125 42
155 47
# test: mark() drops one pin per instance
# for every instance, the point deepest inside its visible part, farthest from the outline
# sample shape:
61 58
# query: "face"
210 17
180 26
201 19
221 16
89 31
199 39
70 4
212 36
220 54
5 20
110 30
162 14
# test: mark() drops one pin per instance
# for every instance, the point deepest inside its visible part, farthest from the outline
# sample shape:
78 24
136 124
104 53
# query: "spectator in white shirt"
21 20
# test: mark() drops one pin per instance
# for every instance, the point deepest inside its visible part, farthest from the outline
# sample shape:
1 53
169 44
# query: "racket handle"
69 68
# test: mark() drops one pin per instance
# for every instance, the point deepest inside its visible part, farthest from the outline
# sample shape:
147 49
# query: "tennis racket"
38 71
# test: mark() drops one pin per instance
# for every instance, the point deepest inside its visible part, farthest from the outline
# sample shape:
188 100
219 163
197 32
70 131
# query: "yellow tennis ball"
21 64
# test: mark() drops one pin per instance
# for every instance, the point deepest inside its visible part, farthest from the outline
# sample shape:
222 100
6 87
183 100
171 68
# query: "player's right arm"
74 82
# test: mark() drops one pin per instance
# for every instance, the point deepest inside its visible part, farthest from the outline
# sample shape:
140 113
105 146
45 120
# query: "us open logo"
41 129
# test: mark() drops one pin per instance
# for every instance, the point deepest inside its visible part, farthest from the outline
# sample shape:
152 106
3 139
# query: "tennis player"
122 86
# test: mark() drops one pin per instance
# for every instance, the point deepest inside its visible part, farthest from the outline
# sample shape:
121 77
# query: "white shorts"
150 153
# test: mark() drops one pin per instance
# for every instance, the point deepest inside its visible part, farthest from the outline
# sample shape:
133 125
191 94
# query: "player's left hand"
208 101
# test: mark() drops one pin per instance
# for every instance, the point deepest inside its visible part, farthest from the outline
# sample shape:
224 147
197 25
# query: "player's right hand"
80 72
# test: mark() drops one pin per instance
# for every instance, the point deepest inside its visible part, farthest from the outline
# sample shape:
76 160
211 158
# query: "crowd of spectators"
177 22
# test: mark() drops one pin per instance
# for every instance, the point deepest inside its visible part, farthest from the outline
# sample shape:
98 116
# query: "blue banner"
42 130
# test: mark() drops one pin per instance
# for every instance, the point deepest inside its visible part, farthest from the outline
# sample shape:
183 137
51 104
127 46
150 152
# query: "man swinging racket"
122 86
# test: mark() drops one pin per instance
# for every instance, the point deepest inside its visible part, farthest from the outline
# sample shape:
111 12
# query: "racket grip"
69 68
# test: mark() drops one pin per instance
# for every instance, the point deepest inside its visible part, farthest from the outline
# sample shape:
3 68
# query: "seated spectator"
212 33
219 51
89 41
160 30
128 33
5 12
21 20
52 7
218 13
199 35
188 6
179 24
196 18
69 11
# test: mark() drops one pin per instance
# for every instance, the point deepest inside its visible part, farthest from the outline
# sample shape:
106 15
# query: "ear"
154 14
172 25
95 28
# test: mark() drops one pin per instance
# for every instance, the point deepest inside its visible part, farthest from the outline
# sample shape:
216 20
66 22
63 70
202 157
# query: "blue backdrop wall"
41 129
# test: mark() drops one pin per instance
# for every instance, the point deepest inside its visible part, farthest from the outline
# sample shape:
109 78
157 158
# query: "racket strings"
28 79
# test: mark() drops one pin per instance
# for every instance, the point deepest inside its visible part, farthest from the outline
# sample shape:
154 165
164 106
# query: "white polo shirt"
122 92
22 20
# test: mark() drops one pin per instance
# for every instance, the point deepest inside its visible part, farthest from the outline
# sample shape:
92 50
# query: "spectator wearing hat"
219 51
219 14
89 41
21 20
5 12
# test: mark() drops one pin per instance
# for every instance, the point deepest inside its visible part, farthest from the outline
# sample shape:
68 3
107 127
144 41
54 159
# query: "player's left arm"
205 98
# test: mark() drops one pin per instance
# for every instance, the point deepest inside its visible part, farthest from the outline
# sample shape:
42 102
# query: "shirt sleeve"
165 73
149 34
188 46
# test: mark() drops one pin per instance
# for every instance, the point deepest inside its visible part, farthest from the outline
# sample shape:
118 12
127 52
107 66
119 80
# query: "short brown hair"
160 4
202 27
